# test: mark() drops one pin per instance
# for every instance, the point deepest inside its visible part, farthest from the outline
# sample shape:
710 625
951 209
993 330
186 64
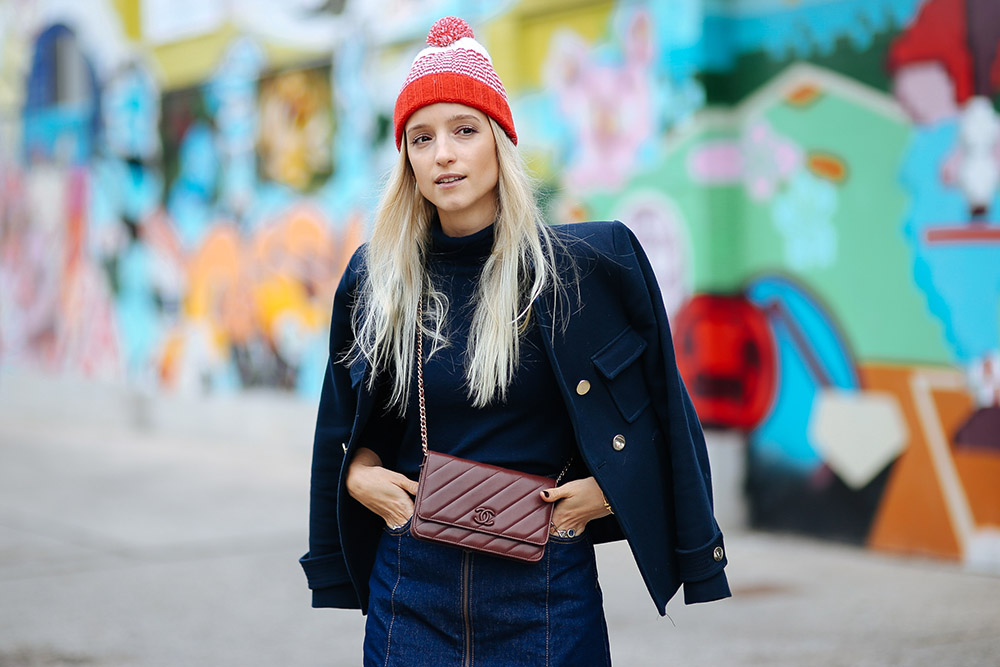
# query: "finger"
553 494
562 519
566 528
408 485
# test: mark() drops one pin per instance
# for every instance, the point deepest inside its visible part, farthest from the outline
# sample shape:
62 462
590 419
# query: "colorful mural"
817 185
172 240
837 210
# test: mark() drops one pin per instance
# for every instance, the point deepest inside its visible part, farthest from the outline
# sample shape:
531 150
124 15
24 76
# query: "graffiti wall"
816 184
170 239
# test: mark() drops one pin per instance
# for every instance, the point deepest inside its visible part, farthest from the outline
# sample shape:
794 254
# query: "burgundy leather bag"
478 506
481 507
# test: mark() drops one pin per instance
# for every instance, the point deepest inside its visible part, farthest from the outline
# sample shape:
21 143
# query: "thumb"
408 485
553 494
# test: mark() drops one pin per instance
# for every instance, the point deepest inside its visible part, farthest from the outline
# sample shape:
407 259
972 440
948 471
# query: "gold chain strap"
420 375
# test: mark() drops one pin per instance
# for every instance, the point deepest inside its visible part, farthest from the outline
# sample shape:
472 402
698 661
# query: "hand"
383 491
577 503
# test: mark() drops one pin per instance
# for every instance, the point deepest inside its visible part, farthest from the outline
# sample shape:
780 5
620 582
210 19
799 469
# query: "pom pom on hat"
448 30
453 68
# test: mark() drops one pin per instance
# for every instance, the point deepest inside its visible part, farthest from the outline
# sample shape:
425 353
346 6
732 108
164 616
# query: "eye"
419 139
467 130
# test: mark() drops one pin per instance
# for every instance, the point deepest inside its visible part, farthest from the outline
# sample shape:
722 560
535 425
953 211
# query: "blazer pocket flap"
616 356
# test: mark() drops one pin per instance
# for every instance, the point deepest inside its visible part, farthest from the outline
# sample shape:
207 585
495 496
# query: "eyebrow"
452 119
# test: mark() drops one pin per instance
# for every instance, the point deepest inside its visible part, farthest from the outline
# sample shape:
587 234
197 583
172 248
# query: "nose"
444 154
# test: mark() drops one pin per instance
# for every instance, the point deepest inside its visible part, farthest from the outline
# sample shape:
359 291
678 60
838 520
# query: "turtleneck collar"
474 248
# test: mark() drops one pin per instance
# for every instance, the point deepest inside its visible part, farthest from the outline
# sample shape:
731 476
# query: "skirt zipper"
466 611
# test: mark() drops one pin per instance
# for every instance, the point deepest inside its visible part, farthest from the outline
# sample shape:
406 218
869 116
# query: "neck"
467 222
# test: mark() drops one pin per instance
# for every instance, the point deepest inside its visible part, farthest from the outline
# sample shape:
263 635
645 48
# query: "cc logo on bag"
483 516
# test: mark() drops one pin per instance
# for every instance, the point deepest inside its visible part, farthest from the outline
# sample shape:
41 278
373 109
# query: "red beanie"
453 68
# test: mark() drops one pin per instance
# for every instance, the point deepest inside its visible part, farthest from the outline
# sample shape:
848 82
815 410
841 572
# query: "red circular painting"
726 355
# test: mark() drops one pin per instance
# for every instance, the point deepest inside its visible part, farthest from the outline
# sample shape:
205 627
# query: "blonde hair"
520 268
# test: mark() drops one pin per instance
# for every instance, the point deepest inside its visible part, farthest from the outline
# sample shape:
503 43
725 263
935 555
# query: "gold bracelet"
606 505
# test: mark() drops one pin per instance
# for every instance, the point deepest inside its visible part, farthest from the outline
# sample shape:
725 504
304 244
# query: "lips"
448 179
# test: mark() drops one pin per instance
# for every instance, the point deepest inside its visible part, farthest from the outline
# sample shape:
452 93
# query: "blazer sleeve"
324 564
700 553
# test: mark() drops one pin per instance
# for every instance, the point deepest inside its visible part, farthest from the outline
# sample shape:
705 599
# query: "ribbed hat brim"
456 88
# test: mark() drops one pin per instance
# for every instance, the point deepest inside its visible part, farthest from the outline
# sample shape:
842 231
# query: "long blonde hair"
520 268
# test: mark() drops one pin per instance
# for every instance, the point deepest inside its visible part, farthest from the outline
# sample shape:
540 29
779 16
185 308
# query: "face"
453 155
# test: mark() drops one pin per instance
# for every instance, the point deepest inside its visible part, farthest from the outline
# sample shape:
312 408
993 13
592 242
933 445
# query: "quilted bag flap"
483 498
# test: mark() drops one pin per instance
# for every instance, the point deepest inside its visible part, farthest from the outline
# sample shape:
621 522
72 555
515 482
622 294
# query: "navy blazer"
636 429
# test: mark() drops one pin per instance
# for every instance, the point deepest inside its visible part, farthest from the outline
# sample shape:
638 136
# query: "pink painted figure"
946 65
609 106
946 69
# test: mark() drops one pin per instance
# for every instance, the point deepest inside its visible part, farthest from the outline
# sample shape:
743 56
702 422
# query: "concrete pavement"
132 547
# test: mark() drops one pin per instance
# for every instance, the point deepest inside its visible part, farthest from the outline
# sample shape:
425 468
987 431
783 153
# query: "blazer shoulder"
348 284
595 240
598 233
355 266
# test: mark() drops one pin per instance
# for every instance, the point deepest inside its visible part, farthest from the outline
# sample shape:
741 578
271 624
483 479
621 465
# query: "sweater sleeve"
700 553
324 564
384 430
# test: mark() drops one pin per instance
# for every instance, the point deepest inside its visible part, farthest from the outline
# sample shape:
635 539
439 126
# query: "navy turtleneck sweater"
530 431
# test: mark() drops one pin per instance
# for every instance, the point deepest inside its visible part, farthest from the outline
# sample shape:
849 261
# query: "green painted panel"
869 287
712 215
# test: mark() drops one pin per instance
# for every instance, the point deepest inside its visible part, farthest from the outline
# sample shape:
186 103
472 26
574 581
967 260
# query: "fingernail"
545 493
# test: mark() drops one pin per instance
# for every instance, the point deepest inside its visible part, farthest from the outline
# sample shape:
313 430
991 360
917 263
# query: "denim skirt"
442 606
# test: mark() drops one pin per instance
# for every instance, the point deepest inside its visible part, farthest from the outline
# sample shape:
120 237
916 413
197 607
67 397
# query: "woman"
547 349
